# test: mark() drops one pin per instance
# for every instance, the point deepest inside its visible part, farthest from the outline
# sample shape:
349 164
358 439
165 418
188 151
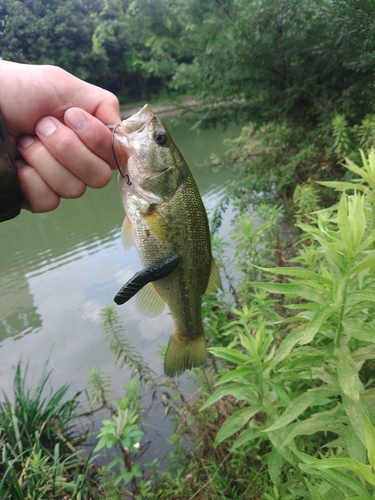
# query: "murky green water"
59 270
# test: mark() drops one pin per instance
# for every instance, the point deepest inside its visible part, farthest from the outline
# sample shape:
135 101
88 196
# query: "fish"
166 219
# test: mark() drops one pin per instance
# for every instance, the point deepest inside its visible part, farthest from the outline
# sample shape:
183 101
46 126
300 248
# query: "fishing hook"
114 127
114 152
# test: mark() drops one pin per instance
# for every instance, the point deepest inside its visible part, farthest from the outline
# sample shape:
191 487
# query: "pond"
59 270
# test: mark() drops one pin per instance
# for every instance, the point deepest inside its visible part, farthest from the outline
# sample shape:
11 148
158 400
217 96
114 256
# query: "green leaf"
316 323
298 272
283 395
333 476
343 186
287 345
277 437
241 371
354 411
315 495
306 459
231 355
247 435
360 296
299 405
356 449
239 391
362 470
370 439
357 170
275 462
364 353
337 258
235 422
305 362
343 483
294 289
351 219
358 329
367 497
347 373
324 421
368 241
367 263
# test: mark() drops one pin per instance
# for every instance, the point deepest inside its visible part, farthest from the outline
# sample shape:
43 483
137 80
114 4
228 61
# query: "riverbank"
162 109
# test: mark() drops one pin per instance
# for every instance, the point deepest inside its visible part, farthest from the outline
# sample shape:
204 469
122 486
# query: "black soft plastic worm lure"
156 271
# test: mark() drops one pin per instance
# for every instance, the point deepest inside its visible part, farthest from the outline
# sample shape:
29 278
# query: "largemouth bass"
167 222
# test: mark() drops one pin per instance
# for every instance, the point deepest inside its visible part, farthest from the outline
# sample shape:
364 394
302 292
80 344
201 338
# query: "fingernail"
25 141
76 119
46 127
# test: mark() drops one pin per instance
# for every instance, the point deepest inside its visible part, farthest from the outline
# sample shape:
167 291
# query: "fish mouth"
137 122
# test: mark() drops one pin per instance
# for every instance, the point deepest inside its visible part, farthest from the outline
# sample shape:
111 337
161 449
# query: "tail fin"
184 353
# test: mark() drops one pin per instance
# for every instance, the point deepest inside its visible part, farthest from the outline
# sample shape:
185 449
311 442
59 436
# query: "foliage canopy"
257 59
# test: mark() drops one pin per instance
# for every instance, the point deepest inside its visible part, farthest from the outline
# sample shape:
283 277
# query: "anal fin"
149 302
214 281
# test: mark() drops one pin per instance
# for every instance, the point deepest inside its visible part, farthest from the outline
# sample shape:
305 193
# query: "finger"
49 91
96 136
38 197
108 109
68 150
55 175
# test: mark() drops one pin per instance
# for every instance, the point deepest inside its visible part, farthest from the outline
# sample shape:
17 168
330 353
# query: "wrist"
10 190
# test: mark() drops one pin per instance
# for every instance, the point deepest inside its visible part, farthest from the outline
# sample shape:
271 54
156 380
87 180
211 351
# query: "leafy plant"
313 382
306 199
122 433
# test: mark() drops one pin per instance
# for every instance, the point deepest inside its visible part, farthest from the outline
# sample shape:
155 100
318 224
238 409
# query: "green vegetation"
286 402
293 395
285 405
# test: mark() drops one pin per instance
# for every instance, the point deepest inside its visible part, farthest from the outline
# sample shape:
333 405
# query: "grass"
38 443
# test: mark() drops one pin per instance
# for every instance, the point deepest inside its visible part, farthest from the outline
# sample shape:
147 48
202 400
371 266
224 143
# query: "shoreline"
160 108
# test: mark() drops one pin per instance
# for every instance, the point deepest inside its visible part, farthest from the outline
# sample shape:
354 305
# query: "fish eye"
161 137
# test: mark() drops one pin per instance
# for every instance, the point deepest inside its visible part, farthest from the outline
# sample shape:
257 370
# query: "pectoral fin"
214 281
127 235
153 272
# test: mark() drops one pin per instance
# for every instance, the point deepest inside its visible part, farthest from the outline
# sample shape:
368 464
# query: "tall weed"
304 382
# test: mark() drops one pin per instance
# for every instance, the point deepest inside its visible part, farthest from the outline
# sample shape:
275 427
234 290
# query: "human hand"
56 126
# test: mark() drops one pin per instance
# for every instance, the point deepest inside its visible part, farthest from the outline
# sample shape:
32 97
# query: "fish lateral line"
154 272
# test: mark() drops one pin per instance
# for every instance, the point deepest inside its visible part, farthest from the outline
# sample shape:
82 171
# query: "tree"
51 32
139 40
267 59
